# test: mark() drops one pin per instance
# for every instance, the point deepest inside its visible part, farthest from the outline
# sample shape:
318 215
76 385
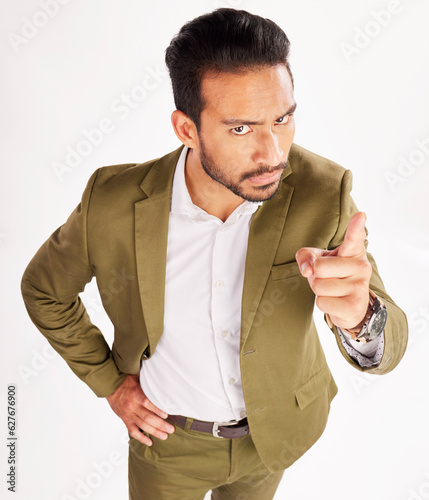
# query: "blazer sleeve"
396 329
50 288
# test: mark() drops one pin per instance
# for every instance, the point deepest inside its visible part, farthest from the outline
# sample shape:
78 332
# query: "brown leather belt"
228 430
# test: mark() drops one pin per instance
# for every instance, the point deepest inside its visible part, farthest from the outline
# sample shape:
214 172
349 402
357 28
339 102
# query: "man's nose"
267 150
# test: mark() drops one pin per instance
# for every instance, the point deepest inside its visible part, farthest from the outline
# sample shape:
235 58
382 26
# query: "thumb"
355 237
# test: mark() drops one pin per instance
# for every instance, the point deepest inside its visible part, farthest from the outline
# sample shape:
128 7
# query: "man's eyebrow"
238 121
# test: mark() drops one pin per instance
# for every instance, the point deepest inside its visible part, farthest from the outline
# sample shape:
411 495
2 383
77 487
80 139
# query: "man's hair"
225 40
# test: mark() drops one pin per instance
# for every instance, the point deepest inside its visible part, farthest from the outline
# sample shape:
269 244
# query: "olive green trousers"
188 464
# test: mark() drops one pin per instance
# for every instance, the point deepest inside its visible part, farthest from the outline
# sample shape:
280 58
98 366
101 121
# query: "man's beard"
213 171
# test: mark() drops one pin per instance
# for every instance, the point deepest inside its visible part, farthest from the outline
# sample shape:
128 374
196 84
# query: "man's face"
247 129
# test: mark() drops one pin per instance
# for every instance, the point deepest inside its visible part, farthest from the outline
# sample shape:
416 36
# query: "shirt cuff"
366 355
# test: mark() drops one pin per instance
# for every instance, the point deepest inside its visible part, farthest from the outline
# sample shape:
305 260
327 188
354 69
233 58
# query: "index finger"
305 258
147 403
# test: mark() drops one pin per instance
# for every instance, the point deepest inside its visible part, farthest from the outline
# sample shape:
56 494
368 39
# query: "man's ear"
185 129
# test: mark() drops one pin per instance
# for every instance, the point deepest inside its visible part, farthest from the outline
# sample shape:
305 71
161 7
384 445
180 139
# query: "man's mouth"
266 178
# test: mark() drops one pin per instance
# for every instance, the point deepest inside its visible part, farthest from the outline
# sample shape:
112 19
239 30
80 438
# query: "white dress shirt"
195 369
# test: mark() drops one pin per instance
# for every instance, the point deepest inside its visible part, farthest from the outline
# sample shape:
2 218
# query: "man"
213 257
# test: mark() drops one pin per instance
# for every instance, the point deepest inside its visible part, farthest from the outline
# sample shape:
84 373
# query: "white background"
365 111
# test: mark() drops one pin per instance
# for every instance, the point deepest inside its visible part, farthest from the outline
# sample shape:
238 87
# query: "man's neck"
206 193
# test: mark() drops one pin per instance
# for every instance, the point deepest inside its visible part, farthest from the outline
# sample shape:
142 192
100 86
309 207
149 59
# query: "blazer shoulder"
127 178
127 173
312 167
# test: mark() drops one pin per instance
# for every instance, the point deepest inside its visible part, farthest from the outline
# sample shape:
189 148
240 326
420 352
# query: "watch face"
377 323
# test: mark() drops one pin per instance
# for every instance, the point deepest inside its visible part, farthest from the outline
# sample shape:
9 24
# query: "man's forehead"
227 94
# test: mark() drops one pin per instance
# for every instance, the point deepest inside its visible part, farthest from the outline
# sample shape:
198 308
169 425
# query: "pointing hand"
340 278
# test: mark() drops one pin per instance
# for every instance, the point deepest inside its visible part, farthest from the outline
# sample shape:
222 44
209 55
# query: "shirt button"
219 283
224 333
242 414
232 381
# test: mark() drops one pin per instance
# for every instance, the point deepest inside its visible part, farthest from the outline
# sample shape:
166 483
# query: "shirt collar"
181 202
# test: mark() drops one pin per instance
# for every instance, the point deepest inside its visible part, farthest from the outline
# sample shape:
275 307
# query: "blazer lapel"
151 236
264 236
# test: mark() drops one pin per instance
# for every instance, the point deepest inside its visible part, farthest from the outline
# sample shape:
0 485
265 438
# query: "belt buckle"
216 425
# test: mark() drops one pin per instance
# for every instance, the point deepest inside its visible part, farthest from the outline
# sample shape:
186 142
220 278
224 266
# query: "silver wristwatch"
373 323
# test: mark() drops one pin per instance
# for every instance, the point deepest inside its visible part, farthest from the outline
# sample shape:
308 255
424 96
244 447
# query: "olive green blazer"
118 233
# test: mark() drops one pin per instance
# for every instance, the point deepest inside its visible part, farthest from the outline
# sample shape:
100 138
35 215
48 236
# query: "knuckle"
351 302
136 435
318 267
365 267
150 419
145 417
319 302
128 404
360 290
144 399
363 288
318 286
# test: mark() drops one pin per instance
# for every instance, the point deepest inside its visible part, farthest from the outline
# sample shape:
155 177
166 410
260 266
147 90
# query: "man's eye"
283 119
241 130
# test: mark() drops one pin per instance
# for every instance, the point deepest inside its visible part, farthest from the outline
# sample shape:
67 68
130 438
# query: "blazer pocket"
284 271
313 388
